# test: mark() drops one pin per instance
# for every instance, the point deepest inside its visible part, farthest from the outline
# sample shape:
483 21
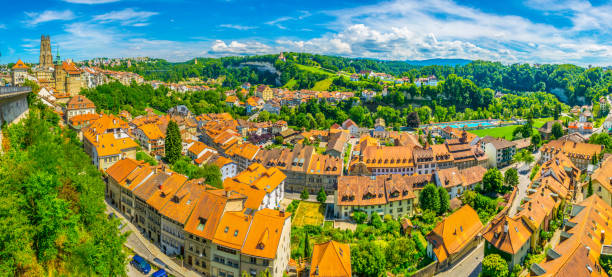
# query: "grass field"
290 84
323 85
314 69
309 213
539 122
499 132
506 131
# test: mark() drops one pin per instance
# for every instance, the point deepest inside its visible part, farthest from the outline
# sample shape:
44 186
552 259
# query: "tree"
368 259
590 187
536 139
278 140
212 175
173 143
305 195
375 220
359 217
401 251
322 196
557 130
444 200
429 198
494 265
307 252
511 177
412 120
557 111
493 180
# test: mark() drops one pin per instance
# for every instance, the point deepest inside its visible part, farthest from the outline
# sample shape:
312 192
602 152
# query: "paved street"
469 266
523 185
143 247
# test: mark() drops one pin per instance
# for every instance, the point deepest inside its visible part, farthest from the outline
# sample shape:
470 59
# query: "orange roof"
331 259
603 175
79 102
184 201
152 131
232 230
508 234
265 233
222 161
165 191
83 118
108 145
70 68
587 231
572 149
122 168
454 232
197 147
245 150
388 156
20 65
231 99
205 217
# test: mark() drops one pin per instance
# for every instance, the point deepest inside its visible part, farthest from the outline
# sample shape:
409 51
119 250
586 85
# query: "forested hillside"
572 84
51 205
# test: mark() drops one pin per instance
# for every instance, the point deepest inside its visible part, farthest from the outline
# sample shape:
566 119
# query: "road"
145 248
523 185
469 266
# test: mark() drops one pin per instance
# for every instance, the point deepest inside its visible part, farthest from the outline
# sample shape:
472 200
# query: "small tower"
58 60
195 61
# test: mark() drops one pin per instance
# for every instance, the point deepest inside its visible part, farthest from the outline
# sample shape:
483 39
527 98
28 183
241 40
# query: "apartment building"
265 187
581 154
107 141
499 151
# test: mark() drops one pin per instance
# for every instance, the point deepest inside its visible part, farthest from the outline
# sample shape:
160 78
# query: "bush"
494 266
359 217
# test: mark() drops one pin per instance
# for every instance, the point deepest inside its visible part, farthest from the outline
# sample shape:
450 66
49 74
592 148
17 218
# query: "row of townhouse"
513 236
107 141
396 194
220 232
304 167
412 159
581 154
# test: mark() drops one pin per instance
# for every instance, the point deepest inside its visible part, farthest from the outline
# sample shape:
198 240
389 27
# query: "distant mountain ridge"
450 62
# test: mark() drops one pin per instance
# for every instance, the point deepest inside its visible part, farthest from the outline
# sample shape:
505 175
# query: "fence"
427 271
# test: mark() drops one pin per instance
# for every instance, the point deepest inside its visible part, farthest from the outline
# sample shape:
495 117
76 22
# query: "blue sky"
534 31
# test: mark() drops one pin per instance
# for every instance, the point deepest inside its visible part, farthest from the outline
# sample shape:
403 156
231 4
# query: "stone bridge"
13 105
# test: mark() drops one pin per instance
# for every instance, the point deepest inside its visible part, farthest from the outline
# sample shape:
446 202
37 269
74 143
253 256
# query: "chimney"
506 227
281 213
529 206
227 193
96 137
603 236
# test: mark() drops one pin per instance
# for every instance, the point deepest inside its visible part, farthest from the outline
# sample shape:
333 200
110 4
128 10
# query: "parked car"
160 263
140 264
160 273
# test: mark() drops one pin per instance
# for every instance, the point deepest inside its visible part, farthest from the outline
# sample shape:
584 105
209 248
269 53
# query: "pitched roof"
20 65
232 229
265 233
572 149
183 202
603 175
79 102
122 168
164 192
206 215
578 252
454 232
508 234
331 259
152 131
498 143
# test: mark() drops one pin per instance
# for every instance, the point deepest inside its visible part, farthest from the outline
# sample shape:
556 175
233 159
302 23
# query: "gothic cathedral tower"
46 58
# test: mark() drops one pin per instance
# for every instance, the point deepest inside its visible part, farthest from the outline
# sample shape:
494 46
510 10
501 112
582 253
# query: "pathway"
470 266
145 248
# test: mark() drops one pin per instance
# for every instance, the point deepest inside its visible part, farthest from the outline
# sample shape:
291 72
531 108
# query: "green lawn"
506 131
498 132
539 122
313 69
290 84
157 112
323 85
309 213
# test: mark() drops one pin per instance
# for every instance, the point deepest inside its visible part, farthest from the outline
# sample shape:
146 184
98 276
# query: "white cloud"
35 18
220 48
126 17
408 29
237 27
90 2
